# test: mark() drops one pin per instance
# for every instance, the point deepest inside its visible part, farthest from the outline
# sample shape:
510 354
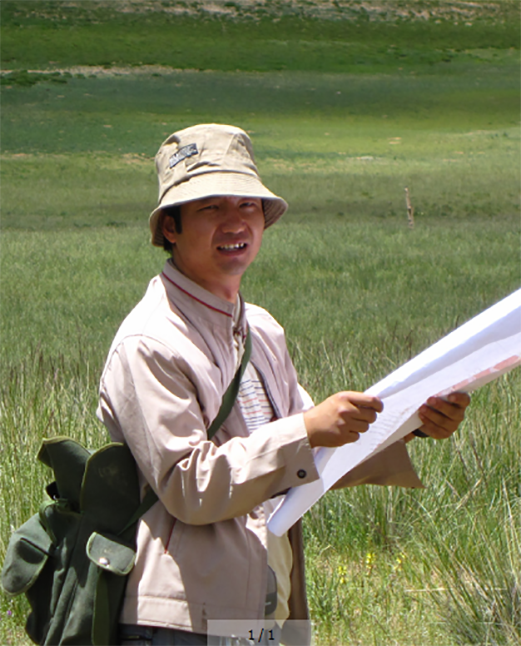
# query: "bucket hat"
209 160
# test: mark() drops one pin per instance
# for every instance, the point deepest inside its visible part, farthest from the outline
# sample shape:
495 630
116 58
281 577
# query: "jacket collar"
209 306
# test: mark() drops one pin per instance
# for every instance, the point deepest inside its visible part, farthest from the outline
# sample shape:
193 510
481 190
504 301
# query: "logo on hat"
186 151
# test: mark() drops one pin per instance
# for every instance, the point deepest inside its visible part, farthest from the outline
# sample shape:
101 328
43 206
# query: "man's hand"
341 418
442 416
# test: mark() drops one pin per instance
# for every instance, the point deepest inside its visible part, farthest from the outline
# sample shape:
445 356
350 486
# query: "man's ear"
168 228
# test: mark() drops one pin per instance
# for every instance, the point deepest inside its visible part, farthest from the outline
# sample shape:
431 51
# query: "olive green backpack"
73 557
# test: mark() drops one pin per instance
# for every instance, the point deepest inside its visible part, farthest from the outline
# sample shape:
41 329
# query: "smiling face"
220 237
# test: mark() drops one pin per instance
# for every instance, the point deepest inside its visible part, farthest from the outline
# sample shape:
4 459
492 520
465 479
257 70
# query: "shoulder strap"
147 502
227 403
230 395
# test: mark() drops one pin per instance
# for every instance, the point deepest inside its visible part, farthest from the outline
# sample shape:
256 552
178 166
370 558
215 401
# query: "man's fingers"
435 415
356 425
359 411
459 403
452 408
460 399
341 418
441 417
360 400
365 415
435 430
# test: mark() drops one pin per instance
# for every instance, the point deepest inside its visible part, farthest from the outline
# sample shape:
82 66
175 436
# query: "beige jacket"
202 549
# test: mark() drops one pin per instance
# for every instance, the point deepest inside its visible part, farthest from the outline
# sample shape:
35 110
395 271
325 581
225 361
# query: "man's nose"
233 220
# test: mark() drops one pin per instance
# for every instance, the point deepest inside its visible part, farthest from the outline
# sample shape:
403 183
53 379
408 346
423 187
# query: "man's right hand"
340 419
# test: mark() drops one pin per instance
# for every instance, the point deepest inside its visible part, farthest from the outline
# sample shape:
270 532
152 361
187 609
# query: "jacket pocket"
170 535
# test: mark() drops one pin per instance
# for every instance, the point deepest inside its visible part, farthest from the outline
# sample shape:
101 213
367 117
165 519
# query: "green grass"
77 286
291 44
343 37
357 291
363 137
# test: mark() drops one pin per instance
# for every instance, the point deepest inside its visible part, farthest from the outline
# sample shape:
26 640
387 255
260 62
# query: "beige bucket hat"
209 160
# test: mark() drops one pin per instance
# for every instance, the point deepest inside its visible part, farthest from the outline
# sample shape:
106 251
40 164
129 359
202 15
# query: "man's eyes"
247 204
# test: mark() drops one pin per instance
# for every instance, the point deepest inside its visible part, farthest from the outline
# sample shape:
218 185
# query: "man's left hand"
442 416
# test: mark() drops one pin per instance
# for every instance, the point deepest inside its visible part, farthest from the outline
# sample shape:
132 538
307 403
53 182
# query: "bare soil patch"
385 10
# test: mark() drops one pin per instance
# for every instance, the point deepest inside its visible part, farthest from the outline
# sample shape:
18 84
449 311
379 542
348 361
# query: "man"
204 552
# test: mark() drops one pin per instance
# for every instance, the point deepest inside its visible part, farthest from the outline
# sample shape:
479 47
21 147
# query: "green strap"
227 403
147 502
101 624
230 395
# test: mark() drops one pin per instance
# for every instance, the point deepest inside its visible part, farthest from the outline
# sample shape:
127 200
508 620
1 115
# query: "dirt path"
386 10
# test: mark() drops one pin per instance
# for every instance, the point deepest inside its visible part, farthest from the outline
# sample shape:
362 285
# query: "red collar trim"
194 297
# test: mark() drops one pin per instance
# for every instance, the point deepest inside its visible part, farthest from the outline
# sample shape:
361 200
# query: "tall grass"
381 562
471 539
451 552
43 395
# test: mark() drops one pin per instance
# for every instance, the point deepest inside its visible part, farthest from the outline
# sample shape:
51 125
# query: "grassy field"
323 36
346 107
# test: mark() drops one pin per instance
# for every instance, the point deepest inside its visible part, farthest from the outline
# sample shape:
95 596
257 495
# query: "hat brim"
213 184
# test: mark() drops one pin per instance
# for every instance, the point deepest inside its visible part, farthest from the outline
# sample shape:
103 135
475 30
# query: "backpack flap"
110 490
67 458
111 557
27 553
110 554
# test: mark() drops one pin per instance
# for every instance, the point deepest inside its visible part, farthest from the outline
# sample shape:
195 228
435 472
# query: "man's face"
220 238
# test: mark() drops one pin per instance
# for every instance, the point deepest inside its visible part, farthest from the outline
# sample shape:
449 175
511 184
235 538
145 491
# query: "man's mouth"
233 247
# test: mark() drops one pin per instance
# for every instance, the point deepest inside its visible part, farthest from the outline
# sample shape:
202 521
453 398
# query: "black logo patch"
182 153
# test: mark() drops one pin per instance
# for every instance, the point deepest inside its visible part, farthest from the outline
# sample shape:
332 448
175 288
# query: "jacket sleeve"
149 402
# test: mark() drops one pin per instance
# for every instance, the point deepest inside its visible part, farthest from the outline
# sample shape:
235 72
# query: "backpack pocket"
27 553
110 554
29 568
112 560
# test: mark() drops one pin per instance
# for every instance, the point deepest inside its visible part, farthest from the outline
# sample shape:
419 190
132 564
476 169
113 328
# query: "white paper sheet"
479 351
